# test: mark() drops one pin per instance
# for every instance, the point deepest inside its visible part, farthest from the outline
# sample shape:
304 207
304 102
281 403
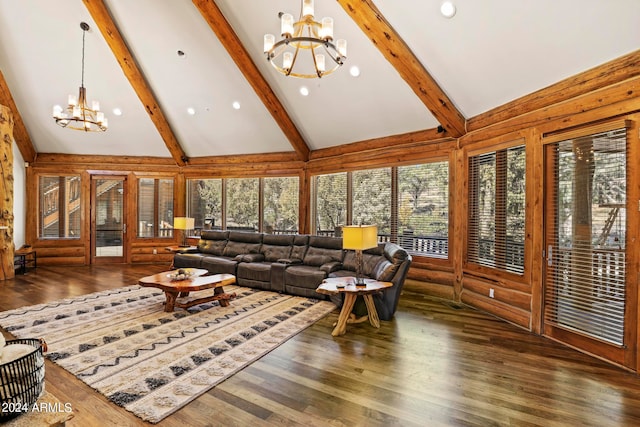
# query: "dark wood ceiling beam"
397 52
229 39
110 32
20 134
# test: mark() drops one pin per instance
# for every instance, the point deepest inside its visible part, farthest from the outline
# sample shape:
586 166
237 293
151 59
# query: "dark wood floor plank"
435 364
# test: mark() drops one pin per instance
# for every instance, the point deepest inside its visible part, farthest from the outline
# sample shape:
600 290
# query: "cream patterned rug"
122 343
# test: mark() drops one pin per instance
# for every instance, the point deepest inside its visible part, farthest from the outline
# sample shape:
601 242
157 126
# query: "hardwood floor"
434 364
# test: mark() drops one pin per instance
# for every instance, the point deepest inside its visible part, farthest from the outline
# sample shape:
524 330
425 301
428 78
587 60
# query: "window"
409 204
59 207
423 208
280 201
204 203
155 207
497 209
330 203
242 203
372 199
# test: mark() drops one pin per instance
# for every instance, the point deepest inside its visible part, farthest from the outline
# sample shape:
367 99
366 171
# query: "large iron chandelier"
77 115
305 34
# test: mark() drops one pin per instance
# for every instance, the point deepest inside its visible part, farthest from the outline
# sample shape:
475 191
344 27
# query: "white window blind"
422 219
155 207
586 267
497 209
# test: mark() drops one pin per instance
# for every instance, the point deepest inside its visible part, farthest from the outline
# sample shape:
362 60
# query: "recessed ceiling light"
191 111
236 105
304 91
447 9
354 71
117 111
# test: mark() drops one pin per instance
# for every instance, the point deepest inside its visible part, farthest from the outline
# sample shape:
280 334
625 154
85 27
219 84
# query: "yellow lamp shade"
359 237
183 223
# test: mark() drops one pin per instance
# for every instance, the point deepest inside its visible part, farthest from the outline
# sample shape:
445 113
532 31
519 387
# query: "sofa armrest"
290 261
330 267
187 250
249 258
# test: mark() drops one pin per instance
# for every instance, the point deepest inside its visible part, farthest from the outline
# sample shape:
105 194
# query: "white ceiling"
491 52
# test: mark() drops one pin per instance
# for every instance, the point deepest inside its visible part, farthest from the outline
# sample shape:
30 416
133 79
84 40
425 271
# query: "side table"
346 286
23 257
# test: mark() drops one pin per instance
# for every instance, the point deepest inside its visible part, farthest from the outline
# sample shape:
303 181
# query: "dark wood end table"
347 286
174 289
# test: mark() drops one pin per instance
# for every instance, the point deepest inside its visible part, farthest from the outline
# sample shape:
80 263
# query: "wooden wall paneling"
304 201
534 261
504 311
31 206
391 156
442 276
604 75
429 288
89 220
632 333
460 225
430 136
100 162
509 293
617 100
7 246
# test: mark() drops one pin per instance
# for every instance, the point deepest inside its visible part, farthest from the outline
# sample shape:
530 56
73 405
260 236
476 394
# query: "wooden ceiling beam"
110 32
20 134
229 39
397 52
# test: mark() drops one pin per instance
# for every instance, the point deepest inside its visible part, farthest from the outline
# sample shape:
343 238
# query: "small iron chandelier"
305 34
77 115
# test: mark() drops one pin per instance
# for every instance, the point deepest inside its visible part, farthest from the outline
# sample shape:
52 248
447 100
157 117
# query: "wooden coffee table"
173 289
346 286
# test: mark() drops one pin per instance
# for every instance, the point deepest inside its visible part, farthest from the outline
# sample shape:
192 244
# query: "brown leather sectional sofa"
296 264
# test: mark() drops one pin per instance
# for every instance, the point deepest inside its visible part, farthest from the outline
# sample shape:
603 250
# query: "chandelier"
305 34
77 115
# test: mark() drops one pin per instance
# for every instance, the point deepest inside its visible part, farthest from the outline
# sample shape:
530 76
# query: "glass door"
108 222
585 290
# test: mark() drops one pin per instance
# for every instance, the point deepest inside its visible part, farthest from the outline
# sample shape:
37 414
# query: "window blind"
59 207
155 207
586 261
422 218
497 209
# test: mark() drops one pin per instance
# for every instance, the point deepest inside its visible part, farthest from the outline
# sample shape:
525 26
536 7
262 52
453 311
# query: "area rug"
122 343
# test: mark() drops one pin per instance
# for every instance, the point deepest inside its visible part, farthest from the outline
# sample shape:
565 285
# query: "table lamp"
183 223
359 238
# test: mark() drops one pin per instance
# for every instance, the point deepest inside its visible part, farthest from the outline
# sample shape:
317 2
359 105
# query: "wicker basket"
22 380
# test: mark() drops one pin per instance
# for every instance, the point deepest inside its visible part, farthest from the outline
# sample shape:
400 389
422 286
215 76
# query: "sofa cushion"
316 260
187 260
275 252
304 276
394 257
249 258
299 248
219 265
255 271
213 242
233 248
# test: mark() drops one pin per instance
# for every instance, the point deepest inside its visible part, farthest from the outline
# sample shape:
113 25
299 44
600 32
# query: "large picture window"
497 209
59 207
234 204
281 204
409 204
155 207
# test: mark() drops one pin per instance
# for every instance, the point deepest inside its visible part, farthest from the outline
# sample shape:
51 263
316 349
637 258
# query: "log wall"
609 92
7 246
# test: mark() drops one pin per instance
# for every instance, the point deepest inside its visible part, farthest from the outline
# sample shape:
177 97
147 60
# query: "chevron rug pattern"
122 343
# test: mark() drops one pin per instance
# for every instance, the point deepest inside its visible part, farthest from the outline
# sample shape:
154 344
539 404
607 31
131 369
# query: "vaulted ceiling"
418 70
